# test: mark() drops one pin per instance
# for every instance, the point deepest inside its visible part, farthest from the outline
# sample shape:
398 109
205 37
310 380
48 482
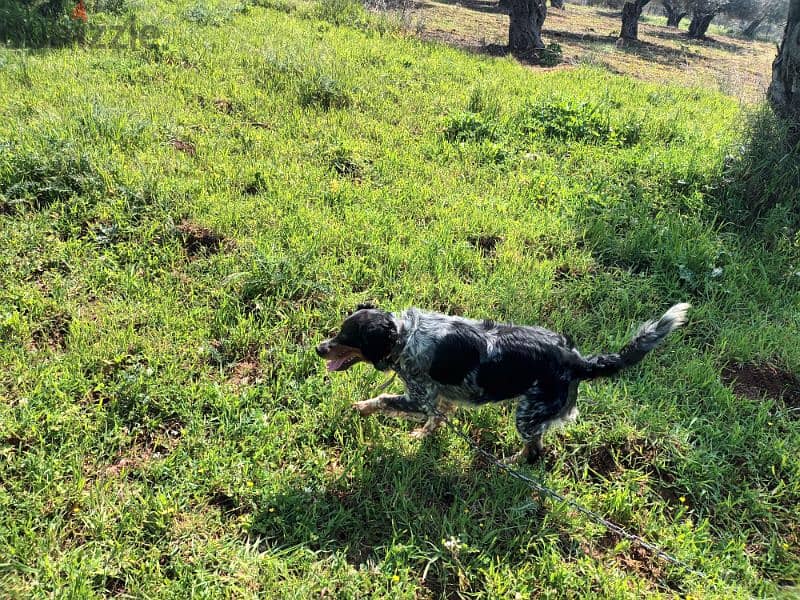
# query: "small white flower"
452 544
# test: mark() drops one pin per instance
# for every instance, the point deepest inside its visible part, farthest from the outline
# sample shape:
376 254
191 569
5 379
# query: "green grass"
166 429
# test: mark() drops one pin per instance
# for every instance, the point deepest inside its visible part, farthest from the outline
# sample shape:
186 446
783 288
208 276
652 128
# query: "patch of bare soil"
487 244
148 446
52 332
197 239
227 504
634 558
245 372
755 381
618 456
183 146
609 460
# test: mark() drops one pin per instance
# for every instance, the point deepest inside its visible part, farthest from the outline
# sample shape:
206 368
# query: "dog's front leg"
434 421
393 405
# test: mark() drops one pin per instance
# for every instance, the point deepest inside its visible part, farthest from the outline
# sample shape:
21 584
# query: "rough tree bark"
631 11
700 23
784 91
525 19
673 12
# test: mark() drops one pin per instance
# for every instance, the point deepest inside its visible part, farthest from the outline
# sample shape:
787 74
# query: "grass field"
181 222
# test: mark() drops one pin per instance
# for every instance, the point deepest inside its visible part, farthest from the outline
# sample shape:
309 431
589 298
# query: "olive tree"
631 11
784 91
675 11
525 20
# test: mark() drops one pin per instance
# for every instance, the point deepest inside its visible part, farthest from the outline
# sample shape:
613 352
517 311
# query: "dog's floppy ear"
378 337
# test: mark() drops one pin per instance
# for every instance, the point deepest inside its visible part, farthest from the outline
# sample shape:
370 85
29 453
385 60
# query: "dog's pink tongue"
335 363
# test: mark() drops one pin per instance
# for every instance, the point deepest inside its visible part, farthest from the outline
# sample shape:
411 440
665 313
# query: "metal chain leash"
546 491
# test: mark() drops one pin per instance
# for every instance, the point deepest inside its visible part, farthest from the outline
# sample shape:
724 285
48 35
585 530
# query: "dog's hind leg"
543 405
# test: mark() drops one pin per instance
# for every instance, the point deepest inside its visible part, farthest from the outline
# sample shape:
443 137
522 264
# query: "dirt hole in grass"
52 332
487 244
754 381
609 460
136 460
114 585
198 239
633 558
616 456
245 372
438 585
148 446
226 503
345 163
224 106
183 146
568 271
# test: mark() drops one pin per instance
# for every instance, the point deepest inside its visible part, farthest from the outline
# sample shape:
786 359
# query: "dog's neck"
390 361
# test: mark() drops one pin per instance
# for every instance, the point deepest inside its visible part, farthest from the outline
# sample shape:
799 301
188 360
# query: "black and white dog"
447 361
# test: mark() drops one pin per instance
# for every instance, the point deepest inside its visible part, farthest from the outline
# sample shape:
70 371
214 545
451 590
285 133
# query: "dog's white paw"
519 458
367 407
420 433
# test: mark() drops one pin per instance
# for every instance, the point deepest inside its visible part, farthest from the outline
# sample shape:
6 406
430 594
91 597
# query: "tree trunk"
525 19
674 20
750 31
673 12
631 11
557 4
784 91
699 24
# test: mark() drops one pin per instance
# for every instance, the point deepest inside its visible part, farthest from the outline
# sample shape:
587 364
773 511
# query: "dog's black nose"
322 349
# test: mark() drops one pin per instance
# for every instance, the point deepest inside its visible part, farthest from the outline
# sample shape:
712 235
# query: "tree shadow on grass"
646 50
486 6
683 38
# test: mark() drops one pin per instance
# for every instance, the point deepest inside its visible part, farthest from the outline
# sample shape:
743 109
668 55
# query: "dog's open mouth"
344 362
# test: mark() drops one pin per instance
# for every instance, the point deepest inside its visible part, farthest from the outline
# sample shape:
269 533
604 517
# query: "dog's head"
368 334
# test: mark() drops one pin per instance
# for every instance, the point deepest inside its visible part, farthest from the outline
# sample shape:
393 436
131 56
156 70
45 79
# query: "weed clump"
345 163
470 127
343 12
37 179
762 177
323 91
551 55
571 121
275 279
203 14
